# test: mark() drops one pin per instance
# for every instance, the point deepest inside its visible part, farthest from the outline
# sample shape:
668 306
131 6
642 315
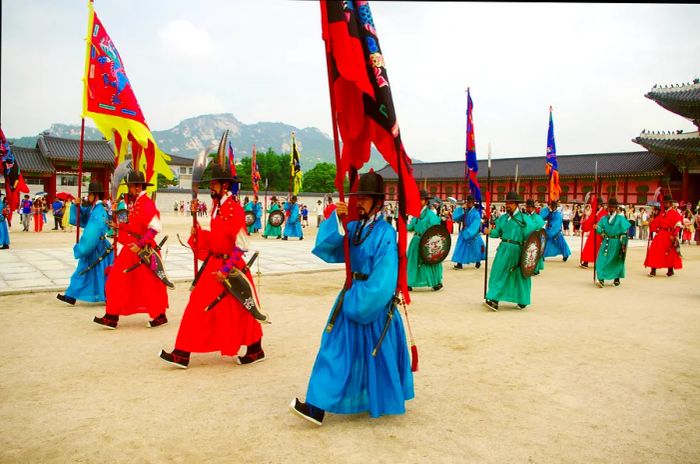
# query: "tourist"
566 219
25 209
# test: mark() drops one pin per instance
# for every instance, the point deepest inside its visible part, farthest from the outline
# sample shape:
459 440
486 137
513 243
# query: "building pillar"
625 186
51 188
684 186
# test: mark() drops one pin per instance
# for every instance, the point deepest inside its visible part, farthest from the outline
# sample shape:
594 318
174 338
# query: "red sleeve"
203 244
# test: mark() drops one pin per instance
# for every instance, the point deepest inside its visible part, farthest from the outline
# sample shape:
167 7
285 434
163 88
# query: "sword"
99 260
225 292
389 317
143 259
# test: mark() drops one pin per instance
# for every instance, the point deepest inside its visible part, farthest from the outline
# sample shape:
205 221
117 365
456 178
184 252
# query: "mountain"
191 135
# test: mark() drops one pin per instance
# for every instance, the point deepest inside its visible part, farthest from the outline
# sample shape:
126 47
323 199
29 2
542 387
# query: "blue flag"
552 166
472 163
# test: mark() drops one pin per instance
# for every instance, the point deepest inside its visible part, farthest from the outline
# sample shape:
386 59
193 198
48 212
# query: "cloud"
182 38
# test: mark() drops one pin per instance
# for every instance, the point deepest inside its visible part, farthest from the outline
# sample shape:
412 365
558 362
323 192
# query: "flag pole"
488 223
265 208
80 181
595 226
336 148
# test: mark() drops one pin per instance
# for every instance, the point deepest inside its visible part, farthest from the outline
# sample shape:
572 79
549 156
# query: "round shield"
435 244
276 218
543 239
531 252
249 218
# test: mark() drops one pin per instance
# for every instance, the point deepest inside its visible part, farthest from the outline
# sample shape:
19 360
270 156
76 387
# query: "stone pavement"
50 269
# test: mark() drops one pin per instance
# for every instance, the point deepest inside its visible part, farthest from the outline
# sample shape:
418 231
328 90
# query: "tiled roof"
179 161
31 161
684 143
609 164
683 100
59 149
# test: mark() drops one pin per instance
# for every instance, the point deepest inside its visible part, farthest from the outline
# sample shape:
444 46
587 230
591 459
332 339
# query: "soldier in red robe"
139 290
664 250
588 254
227 326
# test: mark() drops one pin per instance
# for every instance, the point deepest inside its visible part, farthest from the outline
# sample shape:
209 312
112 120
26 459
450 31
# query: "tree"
165 183
320 179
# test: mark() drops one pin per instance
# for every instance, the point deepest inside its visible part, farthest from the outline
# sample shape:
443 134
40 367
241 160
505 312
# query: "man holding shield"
421 274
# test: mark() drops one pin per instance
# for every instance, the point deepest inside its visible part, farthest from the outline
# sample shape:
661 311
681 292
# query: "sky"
265 61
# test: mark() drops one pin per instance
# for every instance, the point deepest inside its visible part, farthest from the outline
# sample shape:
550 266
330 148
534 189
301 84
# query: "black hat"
553 201
370 183
219 168
470 198
136 177
668 197
612 201
530 202
95 187
512 197
424 195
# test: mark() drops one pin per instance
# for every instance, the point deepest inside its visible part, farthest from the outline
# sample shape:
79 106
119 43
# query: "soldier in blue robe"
346 378
93 251
4 218
556 245
257 209
610 264
470 245
421 274
539 224
292 226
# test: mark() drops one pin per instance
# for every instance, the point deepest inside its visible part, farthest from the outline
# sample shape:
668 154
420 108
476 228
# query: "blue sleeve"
91 234
329 241
473 227
555 224
367 300
458 214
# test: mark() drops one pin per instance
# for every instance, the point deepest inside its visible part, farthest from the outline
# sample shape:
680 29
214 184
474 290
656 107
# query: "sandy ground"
583 375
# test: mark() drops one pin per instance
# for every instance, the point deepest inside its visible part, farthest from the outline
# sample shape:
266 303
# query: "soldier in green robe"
539 223
270 230
613 229
249 207
421 274
506 282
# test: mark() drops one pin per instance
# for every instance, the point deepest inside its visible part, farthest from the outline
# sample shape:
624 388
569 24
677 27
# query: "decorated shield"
122 216
543 239
530 254
249 218
435 244
276 218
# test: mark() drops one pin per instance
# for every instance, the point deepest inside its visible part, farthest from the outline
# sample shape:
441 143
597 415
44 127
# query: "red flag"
14 181
364 106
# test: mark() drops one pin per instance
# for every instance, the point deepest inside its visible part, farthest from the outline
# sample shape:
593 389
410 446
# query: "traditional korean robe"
470 245
4 230
506 282
138 291
92 246
662 252
613 231
346 378
419 273
556 245
257 209
270 230
292 225
227 326
250 208
589 225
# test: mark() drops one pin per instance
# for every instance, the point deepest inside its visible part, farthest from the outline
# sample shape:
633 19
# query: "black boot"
66 299
109 321
307 411
177 358
253 354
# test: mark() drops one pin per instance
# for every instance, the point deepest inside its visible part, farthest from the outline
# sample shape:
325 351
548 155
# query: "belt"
511 241
667 229
219 255
614 236
359 276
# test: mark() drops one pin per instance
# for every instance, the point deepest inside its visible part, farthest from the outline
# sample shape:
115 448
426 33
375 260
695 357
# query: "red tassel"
414 358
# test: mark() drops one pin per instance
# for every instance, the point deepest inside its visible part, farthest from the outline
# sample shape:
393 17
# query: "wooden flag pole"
595 226
80 181
488 223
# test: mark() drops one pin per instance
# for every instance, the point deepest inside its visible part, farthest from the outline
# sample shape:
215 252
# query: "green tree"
320 179
165 183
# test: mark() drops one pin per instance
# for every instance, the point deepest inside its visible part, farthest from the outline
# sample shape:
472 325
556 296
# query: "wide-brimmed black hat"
668 197
424 195
553 201
512 197
530 202
370 183
95 187
612 201
136 177
470 198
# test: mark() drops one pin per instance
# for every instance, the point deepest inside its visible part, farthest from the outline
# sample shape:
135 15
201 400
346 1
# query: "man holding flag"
363 363
556 244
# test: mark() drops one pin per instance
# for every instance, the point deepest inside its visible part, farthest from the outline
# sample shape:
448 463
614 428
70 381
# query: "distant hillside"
193 134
